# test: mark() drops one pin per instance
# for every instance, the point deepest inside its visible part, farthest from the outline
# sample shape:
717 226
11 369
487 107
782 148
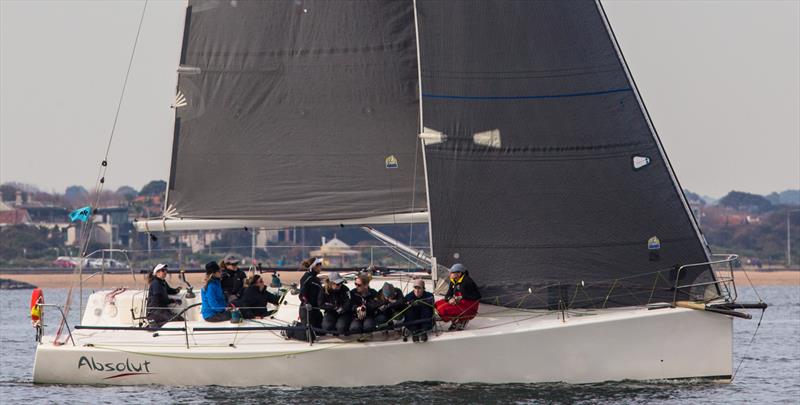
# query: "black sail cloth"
561 203
301 110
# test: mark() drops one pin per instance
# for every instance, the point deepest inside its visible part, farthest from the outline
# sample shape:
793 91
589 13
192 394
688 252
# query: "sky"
721 80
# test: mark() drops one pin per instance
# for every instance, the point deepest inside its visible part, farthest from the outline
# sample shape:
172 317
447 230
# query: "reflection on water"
771 372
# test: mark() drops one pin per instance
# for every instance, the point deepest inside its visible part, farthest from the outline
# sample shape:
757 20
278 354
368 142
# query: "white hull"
501 346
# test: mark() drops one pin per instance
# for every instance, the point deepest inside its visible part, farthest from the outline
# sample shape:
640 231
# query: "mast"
434 268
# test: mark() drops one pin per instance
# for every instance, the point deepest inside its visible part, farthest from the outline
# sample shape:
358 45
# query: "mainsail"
549 182
297 112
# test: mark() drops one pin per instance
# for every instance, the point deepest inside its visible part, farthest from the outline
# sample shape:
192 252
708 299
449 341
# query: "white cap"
160 266
317 261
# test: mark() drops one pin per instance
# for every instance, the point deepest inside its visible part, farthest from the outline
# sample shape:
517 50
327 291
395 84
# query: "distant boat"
513 128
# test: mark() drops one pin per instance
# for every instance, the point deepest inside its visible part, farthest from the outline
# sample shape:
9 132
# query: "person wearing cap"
214 306
232 278
460 304
334 298
392 304
419 315
158 300
255 298
310 286
363 304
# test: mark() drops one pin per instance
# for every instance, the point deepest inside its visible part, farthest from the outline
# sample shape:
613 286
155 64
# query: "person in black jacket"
158 300
460 304
334 298
232 278
392 303
364 303
310 286
255 298
419 315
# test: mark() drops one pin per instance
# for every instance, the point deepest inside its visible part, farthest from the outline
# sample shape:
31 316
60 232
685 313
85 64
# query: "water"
771 373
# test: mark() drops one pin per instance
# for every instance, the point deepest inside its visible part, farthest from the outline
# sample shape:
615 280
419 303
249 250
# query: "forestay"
549 172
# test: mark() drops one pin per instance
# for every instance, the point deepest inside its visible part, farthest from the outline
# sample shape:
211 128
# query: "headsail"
297 111
550 176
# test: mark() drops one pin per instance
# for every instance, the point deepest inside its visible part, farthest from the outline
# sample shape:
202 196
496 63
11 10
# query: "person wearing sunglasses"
419 315
363 303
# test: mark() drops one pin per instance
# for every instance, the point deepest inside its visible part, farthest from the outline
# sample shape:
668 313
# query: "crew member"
460 304
334 298
363 303
232 278
214 307
392 304
310 286
255 298
158 300
419 315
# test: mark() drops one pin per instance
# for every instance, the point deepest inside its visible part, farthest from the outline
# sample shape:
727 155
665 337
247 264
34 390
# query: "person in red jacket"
460 304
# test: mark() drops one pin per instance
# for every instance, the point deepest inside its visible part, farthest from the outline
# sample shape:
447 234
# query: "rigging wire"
86 230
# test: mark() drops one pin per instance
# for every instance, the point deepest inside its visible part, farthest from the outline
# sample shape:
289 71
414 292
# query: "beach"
742 278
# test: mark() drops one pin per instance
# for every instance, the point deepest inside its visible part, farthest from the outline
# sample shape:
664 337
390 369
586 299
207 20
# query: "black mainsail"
297 111
550 176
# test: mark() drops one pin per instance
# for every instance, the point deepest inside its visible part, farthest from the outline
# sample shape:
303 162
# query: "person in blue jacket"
419 315
214 308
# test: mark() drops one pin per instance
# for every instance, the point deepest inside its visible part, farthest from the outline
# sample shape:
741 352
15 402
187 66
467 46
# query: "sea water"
770 372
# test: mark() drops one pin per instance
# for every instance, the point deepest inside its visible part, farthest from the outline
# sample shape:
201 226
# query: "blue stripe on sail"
539 97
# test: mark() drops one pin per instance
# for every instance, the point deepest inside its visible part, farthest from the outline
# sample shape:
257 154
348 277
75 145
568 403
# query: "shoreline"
110 281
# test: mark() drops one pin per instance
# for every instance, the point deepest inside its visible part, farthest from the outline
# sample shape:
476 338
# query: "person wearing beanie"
214 306
334 298
158 300
392 303
419 315
460 304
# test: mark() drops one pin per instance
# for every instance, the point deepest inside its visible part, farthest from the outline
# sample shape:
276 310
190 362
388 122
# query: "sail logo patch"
391 162
640 162
654 243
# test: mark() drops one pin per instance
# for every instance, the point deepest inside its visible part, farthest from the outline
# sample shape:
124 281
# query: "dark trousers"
362 326
219 317
335 322
386 320
158 317
419 313
313 318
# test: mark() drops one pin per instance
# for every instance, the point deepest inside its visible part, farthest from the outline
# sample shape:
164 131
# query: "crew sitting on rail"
310 286
392 303
363 303
158 299
334 298
255 297
460 304
214 307
232 278
419 315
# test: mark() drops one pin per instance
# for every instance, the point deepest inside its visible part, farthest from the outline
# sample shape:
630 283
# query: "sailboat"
513 129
